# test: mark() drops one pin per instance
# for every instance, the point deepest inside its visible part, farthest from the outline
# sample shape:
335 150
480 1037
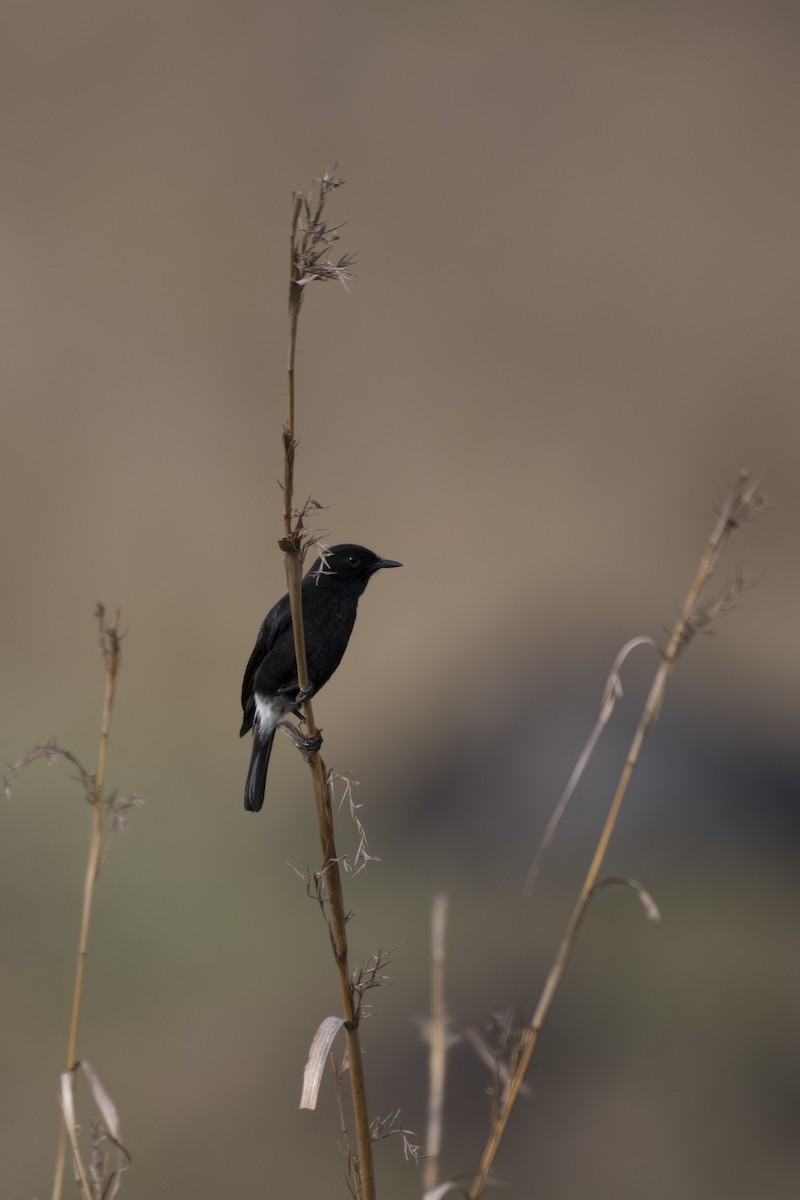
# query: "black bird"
270 690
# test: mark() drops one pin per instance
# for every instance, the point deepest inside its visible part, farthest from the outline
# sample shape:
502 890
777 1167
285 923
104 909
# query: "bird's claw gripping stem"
306 745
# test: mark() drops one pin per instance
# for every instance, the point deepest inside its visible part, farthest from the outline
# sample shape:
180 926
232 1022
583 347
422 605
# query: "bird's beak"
386 562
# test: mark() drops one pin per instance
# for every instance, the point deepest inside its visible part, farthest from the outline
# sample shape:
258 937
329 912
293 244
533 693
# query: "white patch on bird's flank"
268 713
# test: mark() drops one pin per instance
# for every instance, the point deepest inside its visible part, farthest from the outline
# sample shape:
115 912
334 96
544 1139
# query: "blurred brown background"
575 320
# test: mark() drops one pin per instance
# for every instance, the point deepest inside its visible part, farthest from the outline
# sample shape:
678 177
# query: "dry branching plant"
514 1040
99 1178
312 240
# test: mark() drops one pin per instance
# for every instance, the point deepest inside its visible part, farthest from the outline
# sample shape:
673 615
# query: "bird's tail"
257 774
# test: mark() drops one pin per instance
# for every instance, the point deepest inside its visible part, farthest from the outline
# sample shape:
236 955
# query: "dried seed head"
743 500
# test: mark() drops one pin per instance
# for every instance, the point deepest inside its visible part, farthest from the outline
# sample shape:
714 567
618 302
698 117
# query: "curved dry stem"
611 693
651 909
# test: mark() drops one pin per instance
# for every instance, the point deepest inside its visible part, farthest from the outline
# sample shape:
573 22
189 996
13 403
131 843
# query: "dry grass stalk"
743 500
110 640
438 1041
311 242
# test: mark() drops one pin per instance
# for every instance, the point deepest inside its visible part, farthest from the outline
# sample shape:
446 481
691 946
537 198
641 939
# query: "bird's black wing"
276 622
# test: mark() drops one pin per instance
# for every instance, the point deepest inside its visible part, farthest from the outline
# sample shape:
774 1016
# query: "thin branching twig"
110 642
311 241
109 816
389 1126
743 501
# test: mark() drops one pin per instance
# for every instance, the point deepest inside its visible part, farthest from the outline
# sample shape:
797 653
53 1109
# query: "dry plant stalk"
110 644
743 500
311 240
438 1037
97 1181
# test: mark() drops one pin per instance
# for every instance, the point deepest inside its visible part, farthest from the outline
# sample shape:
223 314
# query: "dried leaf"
442 1189
317 1058
105 1105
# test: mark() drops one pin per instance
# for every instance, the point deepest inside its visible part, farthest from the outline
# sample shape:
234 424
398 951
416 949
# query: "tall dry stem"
110 644
438 1036
743 500
311 240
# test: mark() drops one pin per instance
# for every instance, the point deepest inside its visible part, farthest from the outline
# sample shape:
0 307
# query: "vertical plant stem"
437 1049
110 641
295 302
742 501
292 546
337 918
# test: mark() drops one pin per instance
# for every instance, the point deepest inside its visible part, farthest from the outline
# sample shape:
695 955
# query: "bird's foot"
306 745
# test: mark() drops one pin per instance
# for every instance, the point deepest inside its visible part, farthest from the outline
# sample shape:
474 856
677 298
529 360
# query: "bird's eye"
352 560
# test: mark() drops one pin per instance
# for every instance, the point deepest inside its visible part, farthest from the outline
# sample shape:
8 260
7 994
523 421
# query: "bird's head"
347 566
